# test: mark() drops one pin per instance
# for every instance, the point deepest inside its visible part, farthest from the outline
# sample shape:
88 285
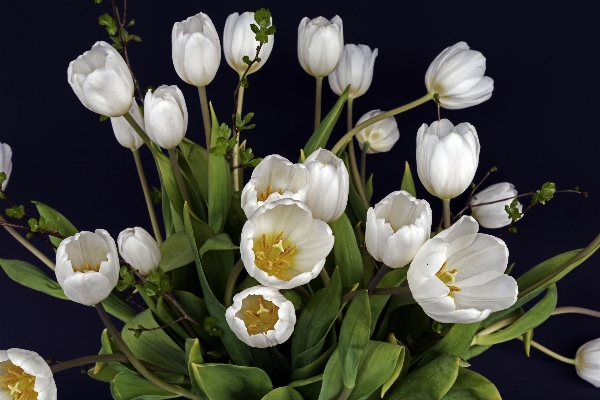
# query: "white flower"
494 215
355 69
320 45
196 50
165 116
25 375
458 276
587 362
283 246
328 185
102 81
381 135
261 317
447 157
124 132
5 162
456 75
87 266
397 228
239 41
274 178
139 249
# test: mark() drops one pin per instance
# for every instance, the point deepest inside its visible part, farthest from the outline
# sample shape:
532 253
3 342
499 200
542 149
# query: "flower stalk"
318 96
149 203
34 250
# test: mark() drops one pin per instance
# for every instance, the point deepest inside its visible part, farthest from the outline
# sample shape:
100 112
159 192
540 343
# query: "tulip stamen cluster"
447 277
259 315
18 382
87 268
273 257
263 196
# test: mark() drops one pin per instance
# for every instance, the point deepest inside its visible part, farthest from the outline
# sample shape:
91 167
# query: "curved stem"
447 220
360 189
138 129
318 102
363 164
149 204
82 361
324 276
377 278
34 250
228 296
178 176
496 327
550 352
235 159
576 310
205 114
346 393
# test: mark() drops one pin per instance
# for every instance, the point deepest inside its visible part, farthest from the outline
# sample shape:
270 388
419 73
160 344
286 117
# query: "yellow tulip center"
259 315
274 256
447 276
87 268
18 383
263 196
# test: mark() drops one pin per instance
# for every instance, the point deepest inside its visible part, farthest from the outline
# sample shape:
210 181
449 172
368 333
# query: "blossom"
587 362
5 162
102 81
196 50
381 135
320 45
139 249
447 157
165 116
355 69
25 375
458 276
87 266
397 227
494 215
283 246
239 41
124 132
456 75
261 317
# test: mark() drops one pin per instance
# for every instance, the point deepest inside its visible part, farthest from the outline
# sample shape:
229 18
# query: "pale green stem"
495 327
324 276
205 114
138 129
149 204
346 393
42 257
576 310
363 164
352 158
346 138
447 220
228 297
83 361
235 160
318 102
550 352
178 176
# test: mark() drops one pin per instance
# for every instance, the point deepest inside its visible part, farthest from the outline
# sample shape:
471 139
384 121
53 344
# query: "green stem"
495 327
138 130
228 297
576 310
34 250
205 114
346 393
149 204
178 176
352 158
447 220
363 164
324 276
346 138
235 160
377 278
318 102
82 361
550 352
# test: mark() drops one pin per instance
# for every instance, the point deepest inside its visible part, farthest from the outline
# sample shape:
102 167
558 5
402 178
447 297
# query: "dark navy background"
541 124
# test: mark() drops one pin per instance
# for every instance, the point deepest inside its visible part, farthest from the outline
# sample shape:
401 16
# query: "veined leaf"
232 382
176 252
345 250
354 337
469 385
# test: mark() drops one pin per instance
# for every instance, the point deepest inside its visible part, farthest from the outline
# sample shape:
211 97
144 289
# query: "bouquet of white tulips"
293 284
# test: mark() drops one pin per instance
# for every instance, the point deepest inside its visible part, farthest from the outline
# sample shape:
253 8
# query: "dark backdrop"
540 125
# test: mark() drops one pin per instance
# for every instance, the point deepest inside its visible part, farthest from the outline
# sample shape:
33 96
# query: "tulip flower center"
259 315
17 382
87 268
447 276
263 196
274 256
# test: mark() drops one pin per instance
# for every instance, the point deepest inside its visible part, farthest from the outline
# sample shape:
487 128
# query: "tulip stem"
135 362
363 164
149 204
346 138
447 213
319 91
178 176
205 114
138 129
228 297
346 393
360 189
324 276
83 361
576 310
377 278
238 173
549 352
36 252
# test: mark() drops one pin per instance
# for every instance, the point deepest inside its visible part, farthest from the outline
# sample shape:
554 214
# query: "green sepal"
223 381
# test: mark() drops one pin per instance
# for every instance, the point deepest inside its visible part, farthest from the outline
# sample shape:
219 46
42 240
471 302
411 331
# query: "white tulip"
283 246
5 162
456 75
196 50
587 362
102 81
124 132
139 249
396 228
458 276
87 266
165 116
494 215
381 135
355 69
273 179
447 157
261 317
25 375
320 45
328 185
239 41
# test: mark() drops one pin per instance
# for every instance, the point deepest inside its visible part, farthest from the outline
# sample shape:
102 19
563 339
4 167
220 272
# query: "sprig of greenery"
513 211
546 193
225 143
158 283
16 212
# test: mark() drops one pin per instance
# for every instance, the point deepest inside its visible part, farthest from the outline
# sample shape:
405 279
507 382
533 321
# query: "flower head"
381 135
5 162
320 45
165 116
239 41
139 249
587 362
494 215
24 375
355 69
124 132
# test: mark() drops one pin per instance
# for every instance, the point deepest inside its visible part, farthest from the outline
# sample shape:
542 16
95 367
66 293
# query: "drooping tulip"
382 135
124 132
165 116
25 375
5 162
494 215
320 45
139 249
587 362
355 69
239 41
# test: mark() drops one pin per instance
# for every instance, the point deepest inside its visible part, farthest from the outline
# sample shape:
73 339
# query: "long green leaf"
469 385
408 184
219 182
197 158
132 387
54 218
217 252
354 337
345 250
232 382
432 381
167 177
456 342
176 252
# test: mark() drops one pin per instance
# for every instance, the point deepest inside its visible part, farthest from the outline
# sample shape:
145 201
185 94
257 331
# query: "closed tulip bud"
124 132
355 69
447 157
87 266
328 185
382 135
494 215
456 75
239 41
25 375
5 162
139 249
165 116
320 45
102 81
196 50
587 362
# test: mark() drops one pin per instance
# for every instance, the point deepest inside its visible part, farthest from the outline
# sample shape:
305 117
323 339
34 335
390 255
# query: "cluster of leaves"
545 194
513 211
210 326
115 34
35 225
262 29
226 141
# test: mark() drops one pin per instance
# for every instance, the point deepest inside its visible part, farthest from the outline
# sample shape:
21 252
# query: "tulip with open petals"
320 45
587 362
139 249
494 215
25 375
165 116
381 135
124 132
355 69
239 41
5 162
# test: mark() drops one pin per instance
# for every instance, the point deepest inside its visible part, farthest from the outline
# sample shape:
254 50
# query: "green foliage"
319 138
97 1
247 158
15 212
127 279
109 22
513 211
210 326
470 385
408 184
345 249
432 381
224 143
545 194
53 221
158 283
2 178
354 337
103 118
244 81
176 252
126 386
222 381
283 393
155 195
294 298
264 27
241 124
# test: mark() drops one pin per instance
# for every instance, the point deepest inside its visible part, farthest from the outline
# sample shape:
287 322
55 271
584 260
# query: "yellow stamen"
259 315
87 267
18 382
263 196
448 276
275 257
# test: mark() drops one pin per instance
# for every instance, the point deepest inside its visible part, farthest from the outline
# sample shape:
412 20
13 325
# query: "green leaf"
106 374
513 210
231 382
456 342
176 252
354 337
32 277
2 178
345 249
354 201
193 354
56 219
469 385
432 381
169 182
219 183
273 363
400 370
217 252
315 368
131 387
197 159
392 279
109 22
166 316
545 194
283 393
195 307
408 183
369 187
15 212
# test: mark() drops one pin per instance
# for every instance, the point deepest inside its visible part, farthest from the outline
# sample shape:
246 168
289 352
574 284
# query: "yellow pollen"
259 315
19 383
448 276
275 257
87 267
263 196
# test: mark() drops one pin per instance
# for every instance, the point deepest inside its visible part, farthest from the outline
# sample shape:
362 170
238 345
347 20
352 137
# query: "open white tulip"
5 162
494 215
273 179
24 375
396 228
456 75
87 266
139 249
382 135
124 132
328 185
283 246
196 50
165 116
458 276
447 157
587 362
102 81
261 317
239 41
320 45
355 69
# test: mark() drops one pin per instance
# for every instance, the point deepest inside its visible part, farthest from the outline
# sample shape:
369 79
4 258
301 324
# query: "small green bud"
210 326
16 212
494 169
244 83
33 225
131 23
156 195
103 118
246 60
29 235
512 229
437 326
545 194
